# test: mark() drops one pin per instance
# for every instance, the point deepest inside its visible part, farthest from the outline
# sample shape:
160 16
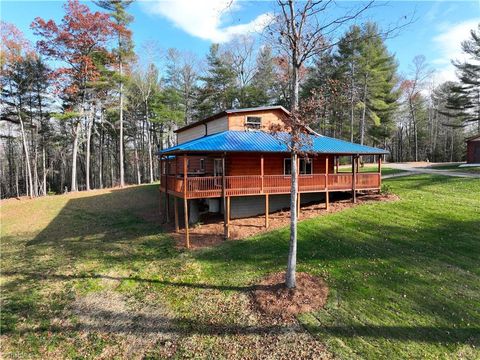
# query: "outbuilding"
473 149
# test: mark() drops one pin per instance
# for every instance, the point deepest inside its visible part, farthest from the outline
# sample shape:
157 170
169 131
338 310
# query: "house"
231 163
473 149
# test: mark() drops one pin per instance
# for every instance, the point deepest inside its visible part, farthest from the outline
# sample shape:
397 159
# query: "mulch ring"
210 231
273 299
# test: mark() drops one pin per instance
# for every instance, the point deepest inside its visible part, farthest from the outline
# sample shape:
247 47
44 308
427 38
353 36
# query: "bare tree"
302 34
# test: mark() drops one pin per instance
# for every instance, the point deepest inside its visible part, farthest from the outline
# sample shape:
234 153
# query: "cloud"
206 19
449 45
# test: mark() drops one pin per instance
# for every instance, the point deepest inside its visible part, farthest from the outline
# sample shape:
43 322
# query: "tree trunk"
150 156
352 102
44 172
87 160
362 125
27 157
122 168
73 185
292 253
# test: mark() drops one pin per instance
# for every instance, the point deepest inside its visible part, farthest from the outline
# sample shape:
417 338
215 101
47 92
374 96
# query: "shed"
473 149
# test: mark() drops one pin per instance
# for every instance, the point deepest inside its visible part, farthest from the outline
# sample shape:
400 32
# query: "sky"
436 30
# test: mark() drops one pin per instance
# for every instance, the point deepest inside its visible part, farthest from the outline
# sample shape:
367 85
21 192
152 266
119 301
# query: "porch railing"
211 186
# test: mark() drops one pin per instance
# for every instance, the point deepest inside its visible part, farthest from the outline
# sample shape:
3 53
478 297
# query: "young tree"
302 36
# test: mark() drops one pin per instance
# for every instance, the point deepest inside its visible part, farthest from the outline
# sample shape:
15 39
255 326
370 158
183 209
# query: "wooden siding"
249 164
236 121
193 165
196 132
216 126
191 134
473 151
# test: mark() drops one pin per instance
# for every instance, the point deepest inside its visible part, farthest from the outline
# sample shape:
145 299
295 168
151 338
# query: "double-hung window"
305 166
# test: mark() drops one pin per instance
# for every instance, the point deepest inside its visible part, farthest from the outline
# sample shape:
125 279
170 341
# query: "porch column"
185 201
167 195
327 194
267 210
337 163
175 207
262 171
354 178
224 198
379 171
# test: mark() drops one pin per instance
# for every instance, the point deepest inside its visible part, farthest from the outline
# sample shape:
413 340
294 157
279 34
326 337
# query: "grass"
372 168
455 167
87 275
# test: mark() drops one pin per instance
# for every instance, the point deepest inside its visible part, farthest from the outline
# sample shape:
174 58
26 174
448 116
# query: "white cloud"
204 19
448 43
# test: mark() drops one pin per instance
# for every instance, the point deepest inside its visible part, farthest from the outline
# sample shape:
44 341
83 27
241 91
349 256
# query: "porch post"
225 214
175 206
337 164
167 195
228 217
185 201
298 204
262 171
380 171
327 194
267 210
354 178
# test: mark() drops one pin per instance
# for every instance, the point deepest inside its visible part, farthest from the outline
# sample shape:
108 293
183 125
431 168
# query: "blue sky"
192 25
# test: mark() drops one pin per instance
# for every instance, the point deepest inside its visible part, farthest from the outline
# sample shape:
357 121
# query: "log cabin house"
230 163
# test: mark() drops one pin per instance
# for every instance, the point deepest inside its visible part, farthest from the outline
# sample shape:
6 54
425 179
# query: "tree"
182 77
219 90
465 97
118 11
16 84
74 42
302 37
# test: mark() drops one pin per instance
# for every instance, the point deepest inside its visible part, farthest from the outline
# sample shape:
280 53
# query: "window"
202 164
253 122
305 166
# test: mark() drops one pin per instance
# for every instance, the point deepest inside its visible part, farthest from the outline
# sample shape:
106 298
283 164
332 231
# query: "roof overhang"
262 142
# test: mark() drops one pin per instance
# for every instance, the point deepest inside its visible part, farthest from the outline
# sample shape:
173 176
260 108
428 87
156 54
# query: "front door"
217 171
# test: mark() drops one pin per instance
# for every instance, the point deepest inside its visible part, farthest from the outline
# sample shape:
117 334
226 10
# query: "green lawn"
87 275
455 167
373 168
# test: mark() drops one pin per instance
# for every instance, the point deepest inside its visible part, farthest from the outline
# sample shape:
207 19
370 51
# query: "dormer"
248 119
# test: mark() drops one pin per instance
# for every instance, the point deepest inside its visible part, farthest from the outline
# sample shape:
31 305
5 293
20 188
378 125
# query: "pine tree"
118 11
465 97
219 91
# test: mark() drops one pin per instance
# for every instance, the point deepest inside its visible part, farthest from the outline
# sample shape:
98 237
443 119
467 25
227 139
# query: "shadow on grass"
102 320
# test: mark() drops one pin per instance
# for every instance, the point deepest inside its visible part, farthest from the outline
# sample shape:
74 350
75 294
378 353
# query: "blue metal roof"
259 141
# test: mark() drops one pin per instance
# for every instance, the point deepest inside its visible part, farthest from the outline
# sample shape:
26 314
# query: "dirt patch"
209 231
136 328
274 299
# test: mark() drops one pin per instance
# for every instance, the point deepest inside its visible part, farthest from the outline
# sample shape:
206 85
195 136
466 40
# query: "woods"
83 108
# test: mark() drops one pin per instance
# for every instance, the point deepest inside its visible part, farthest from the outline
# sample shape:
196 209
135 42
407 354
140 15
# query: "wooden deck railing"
211 186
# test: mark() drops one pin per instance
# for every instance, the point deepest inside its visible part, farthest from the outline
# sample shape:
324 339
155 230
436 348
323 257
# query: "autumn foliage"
80 34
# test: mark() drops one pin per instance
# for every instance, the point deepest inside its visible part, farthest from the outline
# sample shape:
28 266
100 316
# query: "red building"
473 150
231 163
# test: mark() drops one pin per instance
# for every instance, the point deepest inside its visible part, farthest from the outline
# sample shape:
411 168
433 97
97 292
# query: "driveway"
425 168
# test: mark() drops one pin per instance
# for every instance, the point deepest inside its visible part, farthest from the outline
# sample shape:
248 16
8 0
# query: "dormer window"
253 122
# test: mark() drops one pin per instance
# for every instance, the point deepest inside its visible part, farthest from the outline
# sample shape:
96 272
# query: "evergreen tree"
219 90
465 97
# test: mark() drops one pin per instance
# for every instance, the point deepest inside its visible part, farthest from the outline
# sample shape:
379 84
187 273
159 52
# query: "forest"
84 108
